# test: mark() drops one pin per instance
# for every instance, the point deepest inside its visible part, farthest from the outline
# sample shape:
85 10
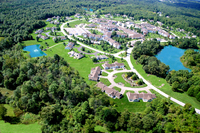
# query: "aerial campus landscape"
95 70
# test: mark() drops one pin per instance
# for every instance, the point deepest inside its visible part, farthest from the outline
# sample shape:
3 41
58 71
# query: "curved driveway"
131 66
123 88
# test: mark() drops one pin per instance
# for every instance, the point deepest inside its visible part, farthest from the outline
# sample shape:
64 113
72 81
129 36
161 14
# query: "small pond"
34 50
171 55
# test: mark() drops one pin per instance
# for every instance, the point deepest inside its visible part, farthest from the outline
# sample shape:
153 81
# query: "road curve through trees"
128 59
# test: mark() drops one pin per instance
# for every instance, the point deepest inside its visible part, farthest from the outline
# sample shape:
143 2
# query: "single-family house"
111 92
68 18
114 65
92 25
49 20
39 31
78 55
44 37
146 97
101 57
70 45
119 34
75 55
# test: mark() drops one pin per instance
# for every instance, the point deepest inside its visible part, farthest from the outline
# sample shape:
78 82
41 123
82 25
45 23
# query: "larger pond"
34 50
171 55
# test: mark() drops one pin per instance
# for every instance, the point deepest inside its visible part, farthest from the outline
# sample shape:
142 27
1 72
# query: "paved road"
123 88
131 66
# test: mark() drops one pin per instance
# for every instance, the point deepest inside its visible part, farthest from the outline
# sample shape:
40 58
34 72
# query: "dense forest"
184 43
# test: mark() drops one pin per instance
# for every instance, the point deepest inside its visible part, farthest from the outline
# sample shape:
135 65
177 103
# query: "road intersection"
128 59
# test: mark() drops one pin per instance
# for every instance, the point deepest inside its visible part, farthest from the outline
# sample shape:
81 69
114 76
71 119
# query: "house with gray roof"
95 73
135 97
114 65
111 92
70 45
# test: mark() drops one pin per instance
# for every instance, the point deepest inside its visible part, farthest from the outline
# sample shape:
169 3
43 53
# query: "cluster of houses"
135 97
42 37
51 28
114 65
111 92
54 20
75 55
78 15
107 27
148 28
59 38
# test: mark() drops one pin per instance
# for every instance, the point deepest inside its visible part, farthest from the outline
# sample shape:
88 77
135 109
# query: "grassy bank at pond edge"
157 82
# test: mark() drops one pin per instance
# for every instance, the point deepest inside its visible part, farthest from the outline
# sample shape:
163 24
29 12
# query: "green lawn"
104 74
19 128
50 41
142 91
128 91
117 88
105 81
156 81
81 37
96 32
6 92
59 34
158 95
10 111
123 103
109 70
126 84
87 50
180 34
104 130
137 22
122 55
114 50
83 66
101 129
77 22
153 35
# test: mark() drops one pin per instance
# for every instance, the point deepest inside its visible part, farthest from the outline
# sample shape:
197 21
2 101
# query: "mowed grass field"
156 81
123 103
76 22
82 65
19 128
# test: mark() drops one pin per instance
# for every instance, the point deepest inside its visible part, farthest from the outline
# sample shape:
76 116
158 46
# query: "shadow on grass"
11 120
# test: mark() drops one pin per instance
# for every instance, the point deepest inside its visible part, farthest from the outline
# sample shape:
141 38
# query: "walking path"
149 85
